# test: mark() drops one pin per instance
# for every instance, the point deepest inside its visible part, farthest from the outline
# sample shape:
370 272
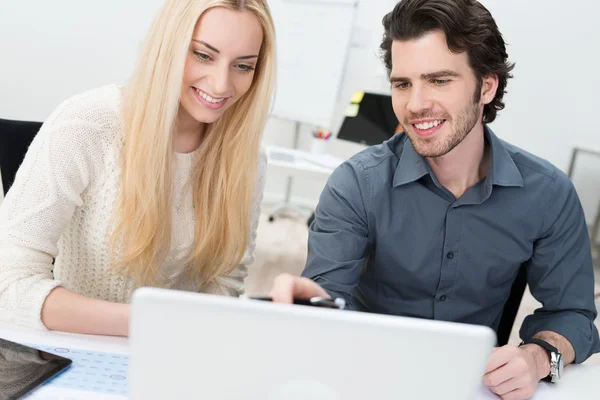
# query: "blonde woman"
157 183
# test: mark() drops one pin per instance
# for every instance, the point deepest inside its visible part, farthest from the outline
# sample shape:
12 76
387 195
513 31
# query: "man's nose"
419 100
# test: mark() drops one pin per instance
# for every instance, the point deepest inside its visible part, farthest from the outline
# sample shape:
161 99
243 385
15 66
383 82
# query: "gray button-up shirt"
390 239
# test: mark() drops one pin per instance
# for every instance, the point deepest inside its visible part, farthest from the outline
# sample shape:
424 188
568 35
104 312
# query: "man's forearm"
561 343
541 355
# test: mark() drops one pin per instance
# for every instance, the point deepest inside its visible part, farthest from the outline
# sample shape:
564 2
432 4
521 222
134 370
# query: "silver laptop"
197 346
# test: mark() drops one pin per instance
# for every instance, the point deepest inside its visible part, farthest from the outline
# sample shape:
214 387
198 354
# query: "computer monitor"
374 123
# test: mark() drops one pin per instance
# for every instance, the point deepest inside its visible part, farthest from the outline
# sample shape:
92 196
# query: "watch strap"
546 346
541 343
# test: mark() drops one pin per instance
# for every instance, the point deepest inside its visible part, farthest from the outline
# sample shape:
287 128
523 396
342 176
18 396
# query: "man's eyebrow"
440 74
428 76
402 79
213 48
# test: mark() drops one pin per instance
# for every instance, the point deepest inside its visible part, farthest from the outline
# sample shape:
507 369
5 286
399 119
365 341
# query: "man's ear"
489 86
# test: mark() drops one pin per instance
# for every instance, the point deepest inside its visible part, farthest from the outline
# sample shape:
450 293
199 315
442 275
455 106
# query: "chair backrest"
15 138
511 307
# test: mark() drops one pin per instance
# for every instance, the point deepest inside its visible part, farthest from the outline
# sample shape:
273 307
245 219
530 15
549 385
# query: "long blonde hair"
224 179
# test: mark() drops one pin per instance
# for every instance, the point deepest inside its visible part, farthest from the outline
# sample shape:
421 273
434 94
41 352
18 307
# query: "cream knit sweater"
60 205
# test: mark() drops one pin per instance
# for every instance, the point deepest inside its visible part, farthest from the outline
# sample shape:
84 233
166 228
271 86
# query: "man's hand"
513 373
287 287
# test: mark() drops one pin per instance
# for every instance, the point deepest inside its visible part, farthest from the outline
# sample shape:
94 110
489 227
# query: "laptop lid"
188 345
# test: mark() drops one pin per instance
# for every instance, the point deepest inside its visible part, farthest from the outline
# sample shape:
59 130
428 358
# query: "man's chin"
431 154
425 147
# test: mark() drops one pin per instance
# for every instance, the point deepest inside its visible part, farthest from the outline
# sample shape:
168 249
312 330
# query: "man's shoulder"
379 156
531 165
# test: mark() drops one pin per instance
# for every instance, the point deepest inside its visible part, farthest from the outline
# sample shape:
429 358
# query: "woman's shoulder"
91 116
99 106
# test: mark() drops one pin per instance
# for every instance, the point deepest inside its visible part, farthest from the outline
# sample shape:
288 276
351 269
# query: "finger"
287 287
283 289
519 394
507 386
305 288
502 374
499 358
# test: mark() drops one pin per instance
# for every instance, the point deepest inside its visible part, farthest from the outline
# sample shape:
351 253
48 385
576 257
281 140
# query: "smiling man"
436 222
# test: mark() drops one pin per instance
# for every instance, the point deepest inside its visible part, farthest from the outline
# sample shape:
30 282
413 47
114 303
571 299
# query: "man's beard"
464 123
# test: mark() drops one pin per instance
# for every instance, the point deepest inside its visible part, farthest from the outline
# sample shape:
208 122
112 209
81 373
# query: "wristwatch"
556 360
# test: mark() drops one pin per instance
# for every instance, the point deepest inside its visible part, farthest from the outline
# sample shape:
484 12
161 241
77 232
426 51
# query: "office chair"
15 138
511 307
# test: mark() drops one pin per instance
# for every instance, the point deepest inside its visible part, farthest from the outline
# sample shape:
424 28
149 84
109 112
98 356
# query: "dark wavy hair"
469 27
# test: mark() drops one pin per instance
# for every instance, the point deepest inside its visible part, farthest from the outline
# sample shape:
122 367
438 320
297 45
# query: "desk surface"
579 381
302 160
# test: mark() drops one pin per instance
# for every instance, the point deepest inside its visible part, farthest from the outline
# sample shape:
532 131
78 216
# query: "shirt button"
450 255
443 297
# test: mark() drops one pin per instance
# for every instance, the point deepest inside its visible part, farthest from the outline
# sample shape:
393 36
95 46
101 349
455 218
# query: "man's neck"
465 165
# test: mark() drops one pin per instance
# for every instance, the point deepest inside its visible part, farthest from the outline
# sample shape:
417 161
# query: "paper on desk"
93 375
323 160
54 393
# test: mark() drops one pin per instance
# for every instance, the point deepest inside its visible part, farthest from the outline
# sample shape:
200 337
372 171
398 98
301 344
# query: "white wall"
48 55
550 105
552 100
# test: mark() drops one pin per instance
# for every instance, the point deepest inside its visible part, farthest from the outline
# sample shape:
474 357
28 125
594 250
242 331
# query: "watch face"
560 366
556 367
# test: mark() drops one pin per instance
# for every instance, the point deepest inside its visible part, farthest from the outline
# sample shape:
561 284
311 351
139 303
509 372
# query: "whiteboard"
313 37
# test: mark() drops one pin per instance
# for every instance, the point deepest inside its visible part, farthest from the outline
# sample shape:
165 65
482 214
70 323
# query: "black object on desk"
374 123
323 302
23 368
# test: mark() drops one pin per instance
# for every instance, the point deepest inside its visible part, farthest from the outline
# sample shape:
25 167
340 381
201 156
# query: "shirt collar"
411 166
504 171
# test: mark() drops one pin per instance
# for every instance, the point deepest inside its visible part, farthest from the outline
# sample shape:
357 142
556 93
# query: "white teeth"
428 125
208 98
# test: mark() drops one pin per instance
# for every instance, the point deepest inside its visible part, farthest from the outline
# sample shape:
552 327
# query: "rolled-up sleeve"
338 237
560 274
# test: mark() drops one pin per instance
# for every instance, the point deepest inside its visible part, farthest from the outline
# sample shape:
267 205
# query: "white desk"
579 382
302 160
298 161
105 344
